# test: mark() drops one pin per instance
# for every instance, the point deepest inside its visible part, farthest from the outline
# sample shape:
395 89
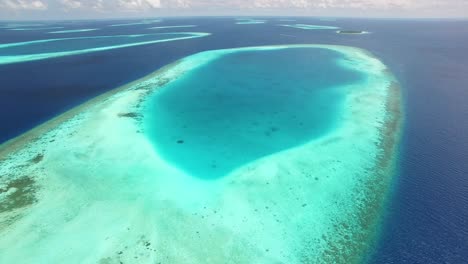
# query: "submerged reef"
36 50
32 28
89 186
73 31
143 22
309 27
351 32
20 25
249 21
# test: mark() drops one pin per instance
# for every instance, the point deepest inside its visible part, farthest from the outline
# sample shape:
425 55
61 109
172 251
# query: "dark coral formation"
22 194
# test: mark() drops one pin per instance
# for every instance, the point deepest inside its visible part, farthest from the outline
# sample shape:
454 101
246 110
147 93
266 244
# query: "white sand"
102 193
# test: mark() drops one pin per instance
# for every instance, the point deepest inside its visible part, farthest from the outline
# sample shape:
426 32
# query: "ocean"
426 214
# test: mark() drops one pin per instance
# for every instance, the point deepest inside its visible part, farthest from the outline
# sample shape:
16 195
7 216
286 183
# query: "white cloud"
181 3
23 4
110 5
71 4
98 5
309 4
139 4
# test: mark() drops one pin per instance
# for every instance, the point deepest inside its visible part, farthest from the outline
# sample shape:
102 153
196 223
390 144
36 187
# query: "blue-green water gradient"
80 43
247 105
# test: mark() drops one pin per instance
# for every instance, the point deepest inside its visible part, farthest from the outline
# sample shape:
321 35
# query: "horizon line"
237 16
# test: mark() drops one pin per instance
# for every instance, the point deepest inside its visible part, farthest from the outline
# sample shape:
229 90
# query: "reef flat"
144 22
352 32
33 28
20 25
58 47
89 186
73 31
309 27
249 21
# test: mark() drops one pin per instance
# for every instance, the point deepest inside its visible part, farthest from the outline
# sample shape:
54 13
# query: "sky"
95 9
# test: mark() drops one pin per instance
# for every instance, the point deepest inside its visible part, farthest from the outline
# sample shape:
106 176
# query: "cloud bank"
23 5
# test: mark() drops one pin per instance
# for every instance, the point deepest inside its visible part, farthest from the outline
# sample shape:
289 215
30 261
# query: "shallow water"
309 27
96 166
246 105
70 44
73 31
427 215
58 47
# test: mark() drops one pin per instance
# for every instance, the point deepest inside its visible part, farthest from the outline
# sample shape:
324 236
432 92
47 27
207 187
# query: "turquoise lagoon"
274 154
246 105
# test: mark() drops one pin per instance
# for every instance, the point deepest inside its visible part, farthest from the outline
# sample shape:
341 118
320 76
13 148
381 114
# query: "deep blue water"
247 105
427 216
